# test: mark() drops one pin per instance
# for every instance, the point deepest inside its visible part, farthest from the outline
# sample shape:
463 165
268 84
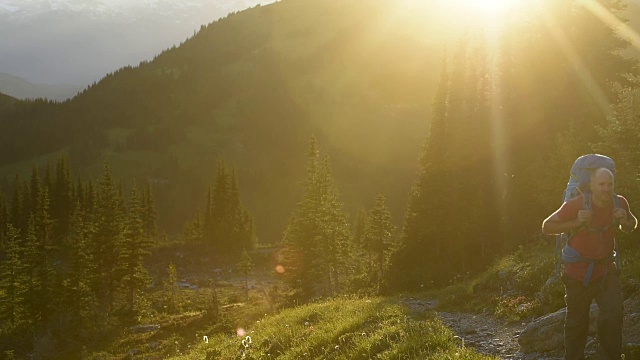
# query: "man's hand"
586 216
620 214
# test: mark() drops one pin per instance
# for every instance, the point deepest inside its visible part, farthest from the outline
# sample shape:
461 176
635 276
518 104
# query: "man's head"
602 185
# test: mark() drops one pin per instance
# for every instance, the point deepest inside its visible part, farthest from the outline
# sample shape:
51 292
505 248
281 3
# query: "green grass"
513 288
345 328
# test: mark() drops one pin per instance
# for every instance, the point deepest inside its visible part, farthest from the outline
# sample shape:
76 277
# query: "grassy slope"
349 328
340 329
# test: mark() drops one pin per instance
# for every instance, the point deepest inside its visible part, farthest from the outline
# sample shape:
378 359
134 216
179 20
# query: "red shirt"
590 244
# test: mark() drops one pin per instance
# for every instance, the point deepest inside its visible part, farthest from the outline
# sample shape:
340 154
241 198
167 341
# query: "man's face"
602 186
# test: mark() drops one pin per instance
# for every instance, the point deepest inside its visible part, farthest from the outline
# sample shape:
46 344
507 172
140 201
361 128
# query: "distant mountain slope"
251 89
22 89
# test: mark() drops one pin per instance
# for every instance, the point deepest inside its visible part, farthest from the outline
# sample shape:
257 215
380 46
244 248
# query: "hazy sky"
80 41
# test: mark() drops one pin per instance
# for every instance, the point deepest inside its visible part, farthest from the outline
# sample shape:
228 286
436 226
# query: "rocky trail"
492 336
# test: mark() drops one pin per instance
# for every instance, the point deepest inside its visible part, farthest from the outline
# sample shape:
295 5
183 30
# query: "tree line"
71 255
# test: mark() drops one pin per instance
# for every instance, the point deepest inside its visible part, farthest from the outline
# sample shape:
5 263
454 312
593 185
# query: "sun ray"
583 72
612 20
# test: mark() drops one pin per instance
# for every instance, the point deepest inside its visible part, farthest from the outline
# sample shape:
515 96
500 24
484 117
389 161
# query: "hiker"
593 275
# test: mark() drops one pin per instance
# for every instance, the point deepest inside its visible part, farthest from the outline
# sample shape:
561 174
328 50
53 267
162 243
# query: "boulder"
546 333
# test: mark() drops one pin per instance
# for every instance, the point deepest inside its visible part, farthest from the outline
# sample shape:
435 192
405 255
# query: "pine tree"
379 236
242 232
36 274
318 252
43 257
13 283
150 213
108 236
18 212
82 277
193 231
35 191
171 290
62 198
133 249
425 230
244 267
221 228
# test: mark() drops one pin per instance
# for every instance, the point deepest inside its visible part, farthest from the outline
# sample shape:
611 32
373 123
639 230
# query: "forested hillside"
251 89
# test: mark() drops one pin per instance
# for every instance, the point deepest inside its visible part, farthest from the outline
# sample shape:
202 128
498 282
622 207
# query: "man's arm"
554 225
628 221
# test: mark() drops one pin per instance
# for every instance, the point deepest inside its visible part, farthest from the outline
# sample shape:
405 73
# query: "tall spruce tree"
62 198
108 223
317 257
82 277
378 238
150 218
133 249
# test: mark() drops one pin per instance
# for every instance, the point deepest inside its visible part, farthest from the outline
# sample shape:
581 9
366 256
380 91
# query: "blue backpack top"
580 176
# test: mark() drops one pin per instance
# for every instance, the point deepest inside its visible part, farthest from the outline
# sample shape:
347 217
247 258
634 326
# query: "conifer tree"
220 227
425 230
35 190
133 249
244 267
62 198
360 227
108 236
318 253
193 231
13 283
379 236
18 212
171 290
43 257
242 232
89 199
150 213
36 274
81 296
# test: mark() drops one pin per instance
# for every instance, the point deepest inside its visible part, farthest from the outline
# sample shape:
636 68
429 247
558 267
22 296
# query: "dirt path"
486 334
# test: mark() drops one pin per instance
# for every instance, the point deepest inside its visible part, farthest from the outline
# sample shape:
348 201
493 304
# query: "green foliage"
226 226
515 287
340 329
378 240
170 289
70 272
318 248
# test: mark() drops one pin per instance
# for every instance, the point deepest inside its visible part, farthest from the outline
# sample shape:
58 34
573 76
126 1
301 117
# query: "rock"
547 332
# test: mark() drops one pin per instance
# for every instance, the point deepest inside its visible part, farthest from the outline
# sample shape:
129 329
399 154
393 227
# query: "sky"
80 41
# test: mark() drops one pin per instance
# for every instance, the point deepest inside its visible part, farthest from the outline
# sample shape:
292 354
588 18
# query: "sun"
487 8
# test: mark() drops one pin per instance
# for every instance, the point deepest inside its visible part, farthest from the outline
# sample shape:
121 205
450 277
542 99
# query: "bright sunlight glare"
487 8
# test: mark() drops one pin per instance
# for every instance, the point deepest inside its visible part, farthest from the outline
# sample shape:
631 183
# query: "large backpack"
579 180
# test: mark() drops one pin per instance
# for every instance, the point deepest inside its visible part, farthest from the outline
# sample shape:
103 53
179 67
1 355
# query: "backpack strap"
616 224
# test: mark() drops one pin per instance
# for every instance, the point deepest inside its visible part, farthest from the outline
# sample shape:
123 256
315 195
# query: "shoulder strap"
616 251
586 200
